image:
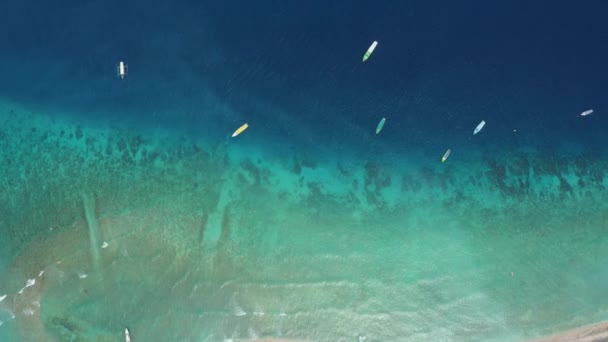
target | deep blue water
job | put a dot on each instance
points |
(440, 67)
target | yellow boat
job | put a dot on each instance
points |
(240, 130)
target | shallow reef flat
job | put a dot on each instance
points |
(219, 240)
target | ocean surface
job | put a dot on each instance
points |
(126, 203)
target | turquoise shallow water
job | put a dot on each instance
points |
(219, 241)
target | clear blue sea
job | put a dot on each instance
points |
(126, 204)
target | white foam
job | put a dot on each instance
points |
(30, 282)
(236, 308)
(226, 283)
(252, 334)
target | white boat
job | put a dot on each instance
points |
(479, 127)
(446, 155)
(370, 50)
(122, 70)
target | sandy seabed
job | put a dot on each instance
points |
(189, 240)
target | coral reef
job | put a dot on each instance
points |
(191, 223)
